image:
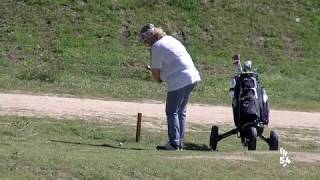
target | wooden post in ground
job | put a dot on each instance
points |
(138, 130)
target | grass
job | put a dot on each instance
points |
(90, 48)
(33, 148)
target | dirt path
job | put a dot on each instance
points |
(63, 107)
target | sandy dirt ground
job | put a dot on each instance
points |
(70, 107)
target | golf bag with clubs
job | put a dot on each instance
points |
(250, 109)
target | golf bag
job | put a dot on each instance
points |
(250, 100)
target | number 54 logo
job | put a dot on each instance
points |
(284, 158)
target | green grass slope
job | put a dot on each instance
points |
(90, 47)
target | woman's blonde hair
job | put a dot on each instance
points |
(149, 34)
(158, 33)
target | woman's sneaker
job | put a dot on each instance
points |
(181, 146)
(168, 147)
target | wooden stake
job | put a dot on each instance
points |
(138, 130)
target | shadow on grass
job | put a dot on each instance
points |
(196, 147)
(97, 145)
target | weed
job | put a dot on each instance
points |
(44, 67)
(22, 127)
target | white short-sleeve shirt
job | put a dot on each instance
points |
(174, 62)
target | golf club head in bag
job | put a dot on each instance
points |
(247, 66)
(236, 61)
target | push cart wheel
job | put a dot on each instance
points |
(252, 138)
(214, 137)
(273, 141)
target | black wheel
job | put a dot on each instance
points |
(273, 141)
(214, 137)
(252, 138)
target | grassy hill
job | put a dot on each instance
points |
(90, 47)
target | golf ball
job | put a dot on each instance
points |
(120, 144)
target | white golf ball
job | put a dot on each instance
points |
(297, 19)
(120, 144)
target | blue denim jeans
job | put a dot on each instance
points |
(176, 113)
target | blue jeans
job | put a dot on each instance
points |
(176, 113)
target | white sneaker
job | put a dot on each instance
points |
(168, 147)
(181, 146)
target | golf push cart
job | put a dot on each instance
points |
(250, 109)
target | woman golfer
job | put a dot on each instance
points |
(171, 63)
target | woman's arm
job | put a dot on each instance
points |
(156, 75)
